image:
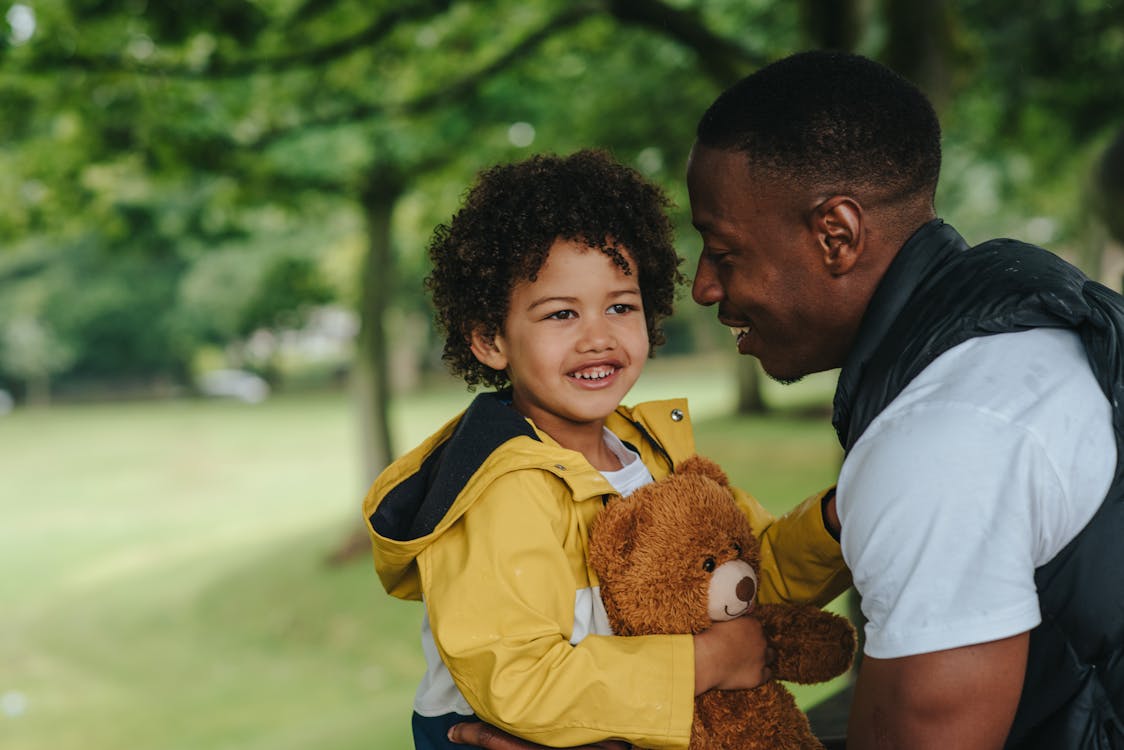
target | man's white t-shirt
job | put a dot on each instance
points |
(982, 469)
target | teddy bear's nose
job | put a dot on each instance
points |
(747, 587)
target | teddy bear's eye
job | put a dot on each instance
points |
(708, 565)
(737, 549)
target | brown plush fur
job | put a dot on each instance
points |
(650, 551)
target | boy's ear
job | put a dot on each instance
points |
(487, 350)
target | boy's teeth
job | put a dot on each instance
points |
(598, 374)
(739, 331)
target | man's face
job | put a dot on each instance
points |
(761, 264)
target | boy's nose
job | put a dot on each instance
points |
(597, 336)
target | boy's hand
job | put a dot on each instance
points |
(732, 655)
(479, 734)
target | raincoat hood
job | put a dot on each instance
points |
(425, 491)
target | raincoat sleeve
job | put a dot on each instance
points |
(500, 588)
(801, 563)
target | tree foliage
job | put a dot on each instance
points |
(174, 173)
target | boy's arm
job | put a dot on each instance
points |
(500, 591)
(801, 562)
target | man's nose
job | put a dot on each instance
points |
(706, 289)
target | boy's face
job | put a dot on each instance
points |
(575, 339)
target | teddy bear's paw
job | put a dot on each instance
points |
(812, 645)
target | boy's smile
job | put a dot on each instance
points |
(574, 342)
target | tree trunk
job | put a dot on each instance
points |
(833, 24)
(919, 45)
(750, 398)
(1109, 187)
(371, 372)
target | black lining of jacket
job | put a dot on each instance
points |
(936, 294)
(417, 504)
(414, 507)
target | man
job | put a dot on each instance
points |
(972, 404)
(980, 402)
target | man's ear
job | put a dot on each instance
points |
(487, 350)
(838, 224)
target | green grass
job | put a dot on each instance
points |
(164, 581)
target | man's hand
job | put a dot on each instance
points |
(962, 697)
(479, 734)
(732, 655)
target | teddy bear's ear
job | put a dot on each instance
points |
(705, 467)
(614, 533)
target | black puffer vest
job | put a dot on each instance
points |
(938, 293)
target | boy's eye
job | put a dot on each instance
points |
(621, 308)
(562, 315)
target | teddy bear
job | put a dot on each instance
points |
(676, 555)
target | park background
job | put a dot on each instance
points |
(213, 329)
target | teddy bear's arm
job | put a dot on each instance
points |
(812, 645)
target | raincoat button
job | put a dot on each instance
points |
(676, 415)
(560, 467)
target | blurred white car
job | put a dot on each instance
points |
(237, 384)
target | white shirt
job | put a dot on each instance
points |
(982, 469)
(437, 694)
(633, 474)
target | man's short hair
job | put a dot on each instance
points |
(831, 120)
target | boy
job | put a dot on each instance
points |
(550, 284)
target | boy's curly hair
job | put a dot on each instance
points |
(510, 219)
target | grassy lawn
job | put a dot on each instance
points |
(164, 580)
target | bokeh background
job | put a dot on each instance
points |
(214, 334)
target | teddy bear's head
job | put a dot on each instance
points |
(676, 554)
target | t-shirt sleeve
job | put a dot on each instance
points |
(935, 504)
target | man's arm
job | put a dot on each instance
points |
(962, 697)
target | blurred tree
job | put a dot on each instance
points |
(33, 352)
(1110, 187)
(288, 289)
(283, 103)
(182, 149)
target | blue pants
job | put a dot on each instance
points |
(431, 732)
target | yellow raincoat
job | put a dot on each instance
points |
(488, 520)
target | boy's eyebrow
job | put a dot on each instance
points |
(545, 300)
(571, 300)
